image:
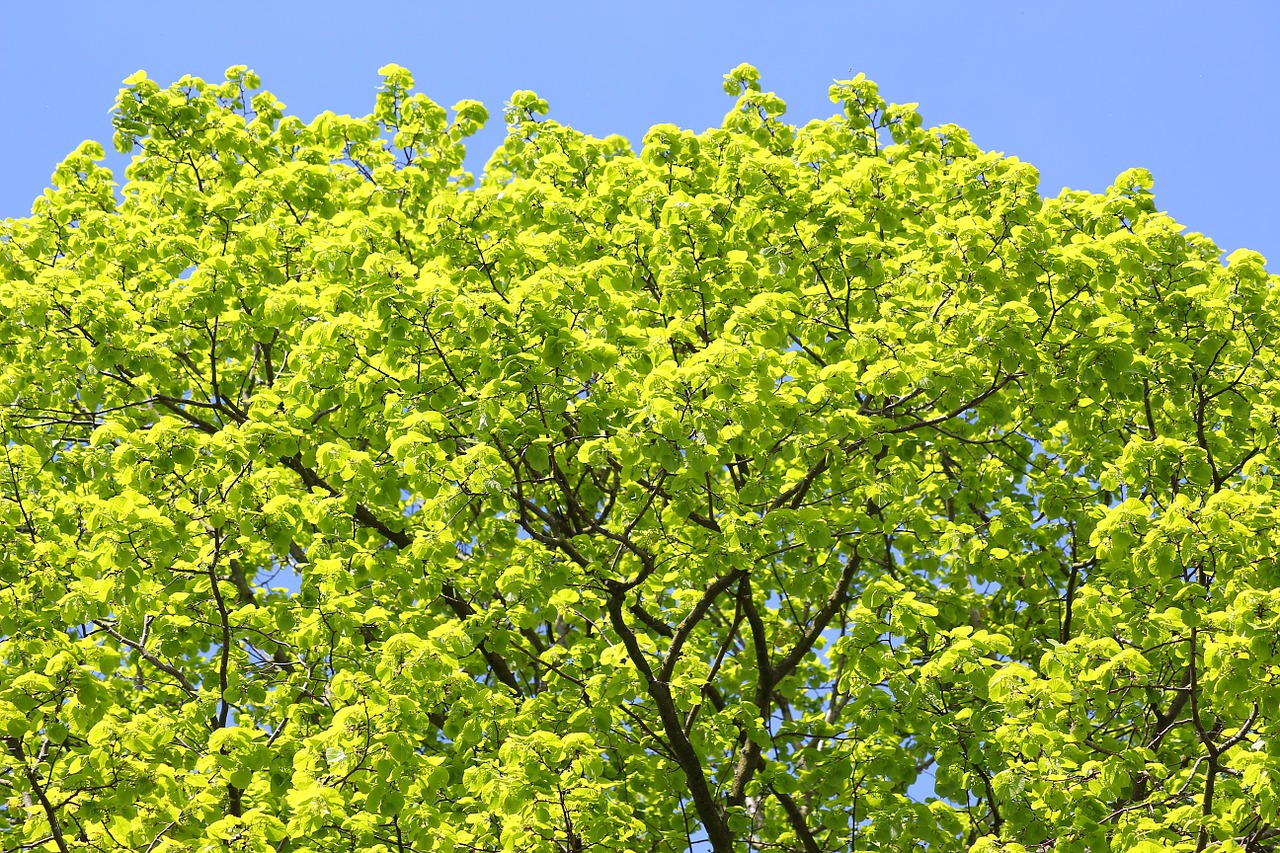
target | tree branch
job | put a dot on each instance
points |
(55, 828)
(166, 668)
(713, 820)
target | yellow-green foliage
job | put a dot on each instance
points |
(715, 494)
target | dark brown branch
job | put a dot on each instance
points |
(749, 760)
(795, 494)
(713, 820)
(686, 626)
(176, 406)
(55, 828)
(959, 410)
(796, 818)
(224, 619)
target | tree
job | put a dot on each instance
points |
(711, 497)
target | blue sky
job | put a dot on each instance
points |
(1082, 90)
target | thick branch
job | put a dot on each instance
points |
(55, 828)
(749, 760)
(795, 817)
(686, 626)
(713, 820)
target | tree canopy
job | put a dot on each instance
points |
(808, 488)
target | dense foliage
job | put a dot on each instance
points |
(818, 488)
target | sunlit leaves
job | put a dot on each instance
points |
(812, 487)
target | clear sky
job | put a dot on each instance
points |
(1082, 90)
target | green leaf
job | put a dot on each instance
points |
(538, 456)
